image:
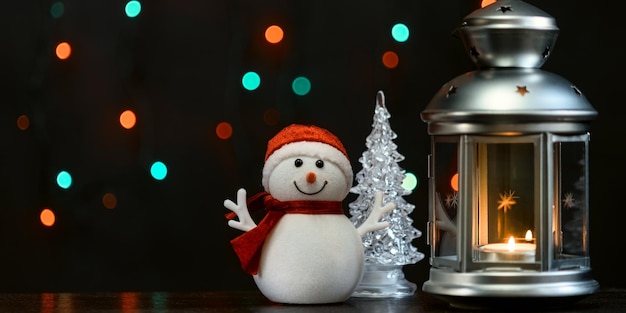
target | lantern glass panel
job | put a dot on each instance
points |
(571, 220)
(445, 167)
(505, 215)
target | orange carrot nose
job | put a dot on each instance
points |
(311, 177)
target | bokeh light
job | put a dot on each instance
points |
(63, 50)
(128, 119)
(158, 170)
(274, 34)
(271, 117)
(390, 59)
(132, 8)
(57, 9)
(400, 32)
(224, 130)
(23, 122)
(109, 200)
(47, 217)
(410, 181)
(251, 80)
(454, 182)
(301, 86)
(64, 179)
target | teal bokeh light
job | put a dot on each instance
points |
(158, 170)
(251, 80)
(400, 32)
(133, 8)
(57, 9)
(301, 86)
(64, 179)
(410, 181)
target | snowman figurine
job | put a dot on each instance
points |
(305, 250)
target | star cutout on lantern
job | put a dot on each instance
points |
(522, 90)
(507, 201)
(546, 52)
(568, 200)
(451, 91)
(505, 9)
(452, 200)
(474, 52)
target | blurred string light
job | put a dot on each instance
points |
(400, 32)
(271, 117)
(109, 200)
(224, 130)
(274, 34)
(301, 86)
(251, 81)
(132, 8)
(410, 181)
(64, 179)
(23, 122)
(47, 217)
(158, 170)
(128, 119)
(57, 9)
(63, 50)
(390, 59)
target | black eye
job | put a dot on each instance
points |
(298, 162)
(319, 163)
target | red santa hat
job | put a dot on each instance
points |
(306, 140)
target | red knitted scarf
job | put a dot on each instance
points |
(248, 246)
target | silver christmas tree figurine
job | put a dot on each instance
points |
(389, 249)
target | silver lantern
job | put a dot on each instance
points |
(508, 170)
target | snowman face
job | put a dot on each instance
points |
(307, 178)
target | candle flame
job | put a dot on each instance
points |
(529, 235)
(511, 243)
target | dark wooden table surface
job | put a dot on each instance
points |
(604, 301)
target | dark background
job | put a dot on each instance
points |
(178, 65)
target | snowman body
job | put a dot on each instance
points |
(311, 259)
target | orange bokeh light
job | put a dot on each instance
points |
(274, 34)
(224, 130)
(128, 119)
(47, 217)
(390, 59)
(23, 122)
(109, 200)
(63, 50)
(454, 182)
(271, 117)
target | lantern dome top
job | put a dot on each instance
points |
(509, 40)
(508, 33)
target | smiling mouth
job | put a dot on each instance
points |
(310, 193)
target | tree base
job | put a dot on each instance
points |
(381, 281)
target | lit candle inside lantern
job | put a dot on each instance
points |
(510, 251)
(529, 236)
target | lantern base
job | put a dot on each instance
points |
(381, 281)
(512, 290)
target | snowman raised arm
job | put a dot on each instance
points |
(305, 250)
